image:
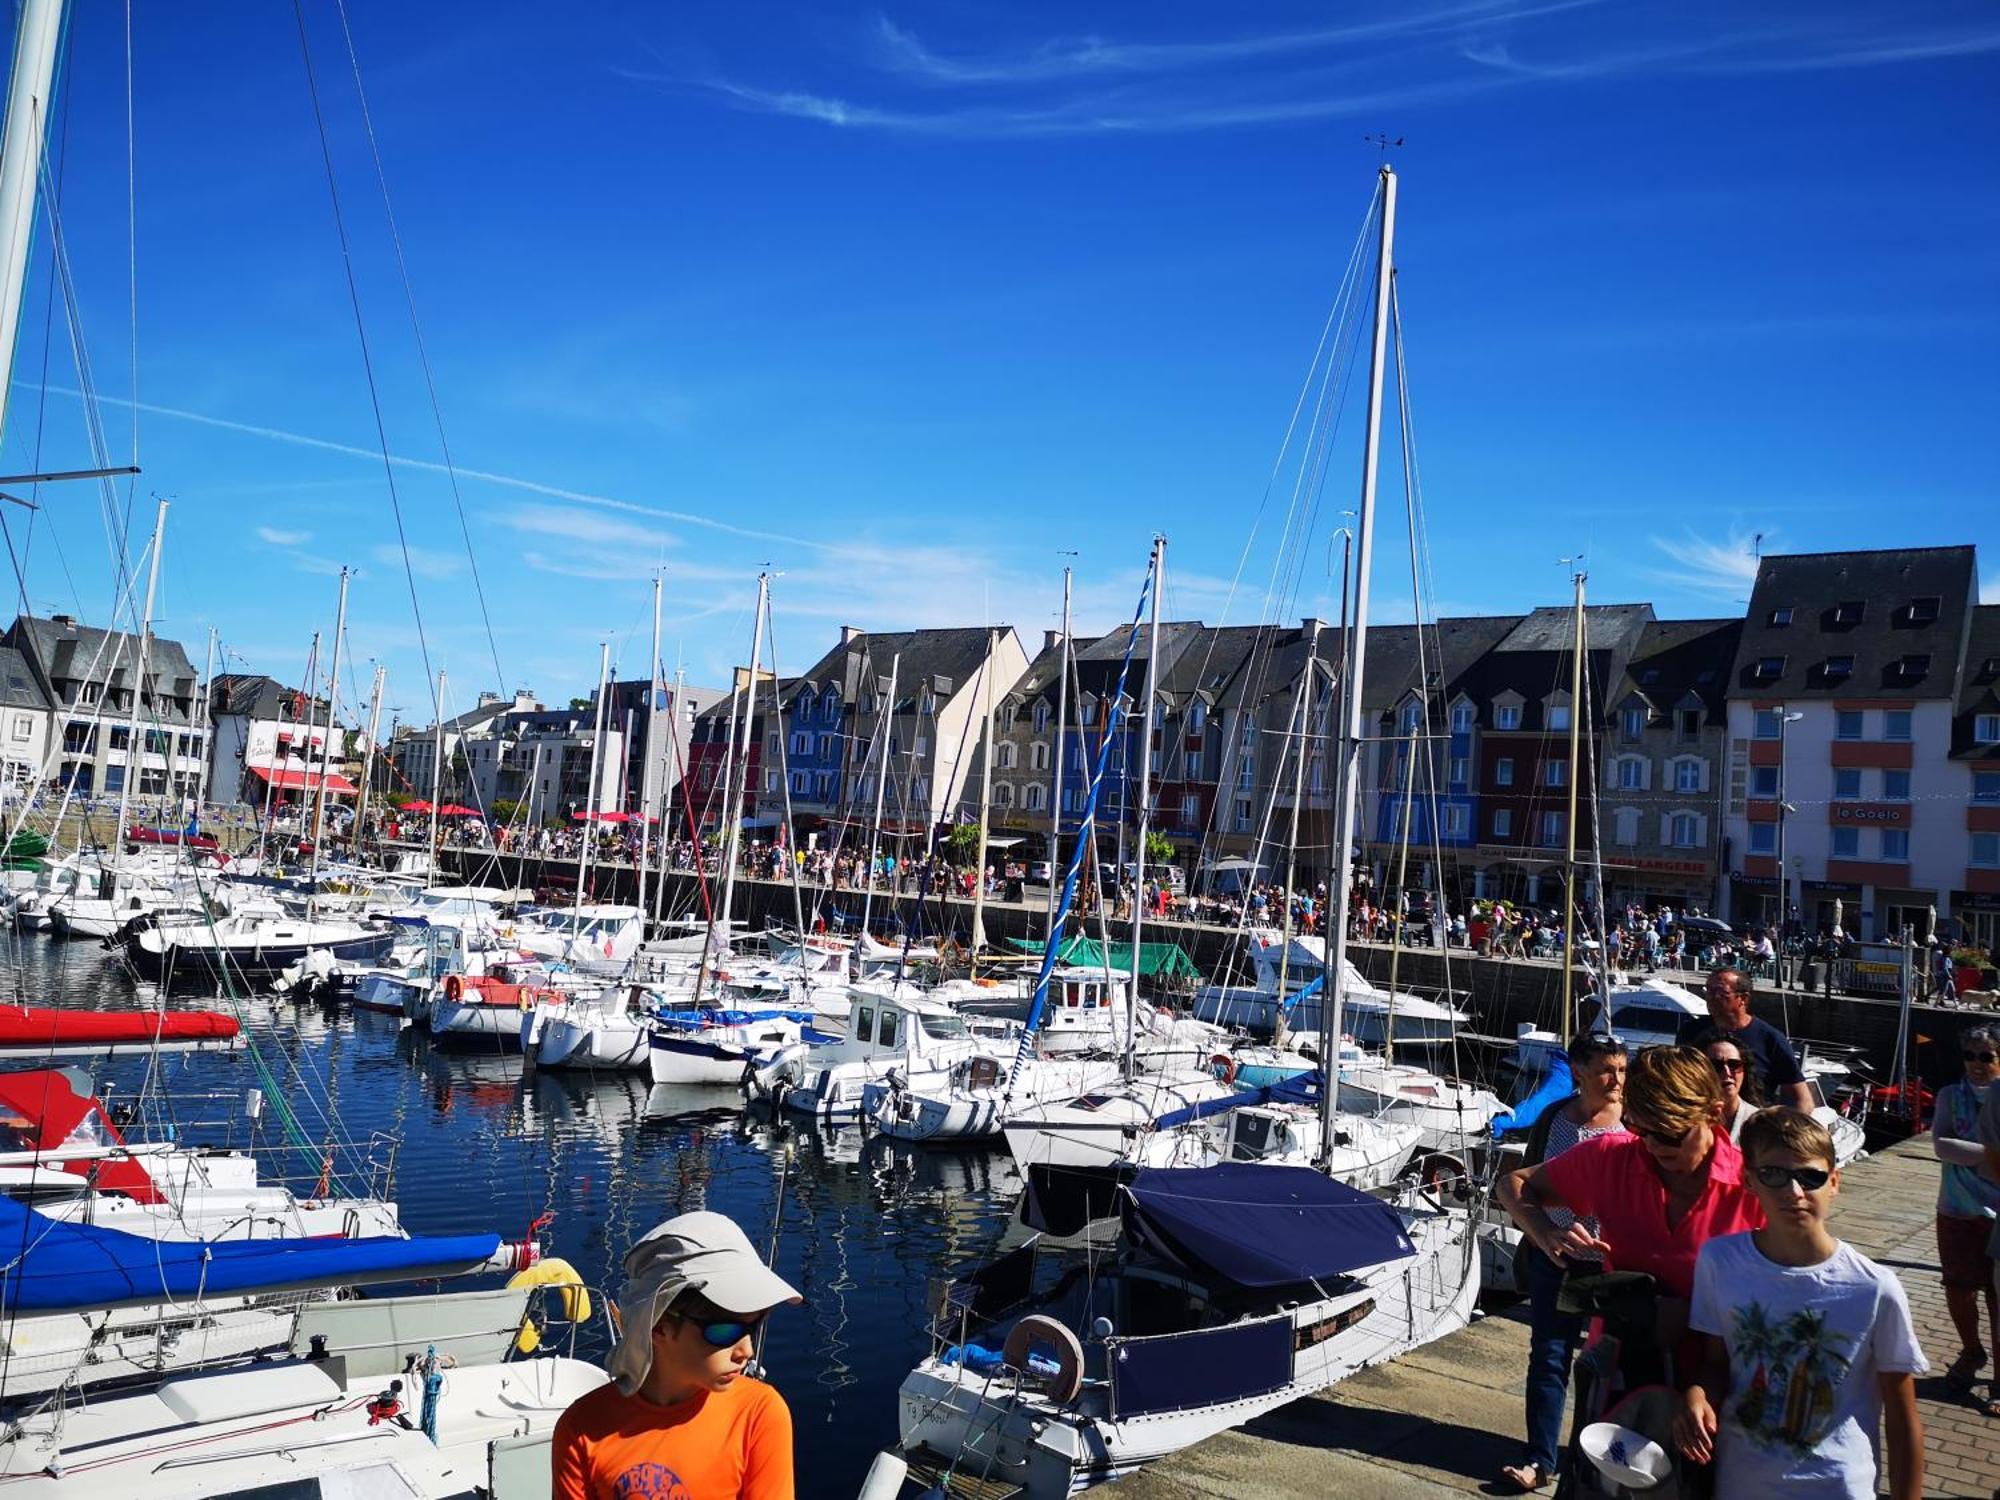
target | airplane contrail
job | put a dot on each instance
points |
(431, 466)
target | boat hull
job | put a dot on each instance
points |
(176, 962)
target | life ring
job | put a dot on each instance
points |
(554, 1272)
(1036, 1330)
(1223, 1066)
(454, 988)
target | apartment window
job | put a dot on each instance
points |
(1003, 758)
(1684, 831)
(802, 744)
(1763, 838)
(1190, 810)
(1687, 776)
(823, 786)
(1896, 843)
(1503, 823)
(1242, 814)
(921, 747)
(1687, 724)
(1633, 721)
(806, 709)
(1895, 786)
(1781, 616)
(1846, 843)
(1461, 770)
(1985, 785)
(1555, 773)
(1461, 718)
(1246, 773)
(80, 739)
(1007, 717)
(1455, 820)
(771, 781)
(1986, 729)
(1041, 718)
(1631, 774)
(1896, 724)
(1038, 757)
(1192, 770)
(1986, 848)
(826, 751)
(1558, 716)
(774, 745)
(802, 783)
(24, 727)
(1003, 794)
(1197, 717)
(1552, 830)
(1086, 711)
(1846, 784)
(1036, 797)
(1503, 771)
(1763, 781)
(1768, 720)
(1848, 723)
(1507, 716)
(121, 738)
(114, 778)
(1316, 775)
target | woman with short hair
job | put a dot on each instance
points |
(1967, 1205)
(1741, 1096)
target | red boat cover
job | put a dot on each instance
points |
(138, 833)
(43, 1111)
(26, 1027)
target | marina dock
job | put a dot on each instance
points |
(1441, 1421)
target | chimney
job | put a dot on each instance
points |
(849, 634)
(1051, 639)
(68, 622)
(1312, 625)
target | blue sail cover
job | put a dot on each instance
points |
(1556, 1085)
(60, 1267)
(1258, 1227)
(1301, 1089)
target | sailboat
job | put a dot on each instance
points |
(1237, 1288)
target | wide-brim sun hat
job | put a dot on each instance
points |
(701, 1252)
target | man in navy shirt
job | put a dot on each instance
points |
(1764, 1046)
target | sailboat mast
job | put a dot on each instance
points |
(597, 721)
(1348, 767)
(1056, 776)
(30, 88)
(1300, 728)
(135, 759)
(885, 730)
(437, 779)
(332, 723)
(1569, 874)
(674, 721)
(985, 800)
(368, 756)
(652, 752)
(1145, 824)
(738, 756)
(207, 729)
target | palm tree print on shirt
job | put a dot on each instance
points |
(1796, 1364)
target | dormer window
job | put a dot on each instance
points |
(1649, 677)
(1912, 667)
(1506, 716)
(1839, 666)
(1850, 611)
(1924, 609)
(1989, 669)
(1770, 668)
(1781, 616)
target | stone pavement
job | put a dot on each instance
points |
(1441, 1421)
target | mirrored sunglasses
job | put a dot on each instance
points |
(1812, 1179)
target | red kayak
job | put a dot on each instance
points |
(39, 1030)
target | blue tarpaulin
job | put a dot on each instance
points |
(1556, 1085)
(60, 1267)
(1256, 1227)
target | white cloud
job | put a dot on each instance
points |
(1708, 566)
(586, 528)
(425, 562)
(279, 538)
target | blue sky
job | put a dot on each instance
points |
(904, 302)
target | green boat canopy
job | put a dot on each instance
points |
(1156, 960)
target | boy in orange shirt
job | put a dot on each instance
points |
(683, 1419)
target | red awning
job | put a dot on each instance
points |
(286, 780)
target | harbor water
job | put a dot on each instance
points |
(862, 1225)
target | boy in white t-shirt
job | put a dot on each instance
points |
(1809, 1342)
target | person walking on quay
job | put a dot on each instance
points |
(683, 1416)
(1660, 1189)
(1808, 1344)
(1967, 1206)
(1597, 1062)
(1764, 1046)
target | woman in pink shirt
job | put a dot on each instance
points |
(1658, 1194)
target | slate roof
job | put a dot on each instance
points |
(1451, 648)
(944, 660)
(256, 696)
(1097, 665)
(1532, 660)
(64, 651)
(1979, 683)
(1040, 679)
(1677, 657)
(1901, 633)
(18, 688)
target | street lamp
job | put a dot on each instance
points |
(1784, 877)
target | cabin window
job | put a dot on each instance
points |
(864, 1022)
(887, 1036)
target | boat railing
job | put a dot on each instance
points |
(315, 1166)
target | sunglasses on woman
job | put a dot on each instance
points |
(1985, 1057)
(1812, 1179)
(1726, 1064)
(1671, 1140)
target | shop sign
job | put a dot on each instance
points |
(1873, 814)
(1964, 901)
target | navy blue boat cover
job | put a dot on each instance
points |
(1257, 1227)
(49, 1266)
